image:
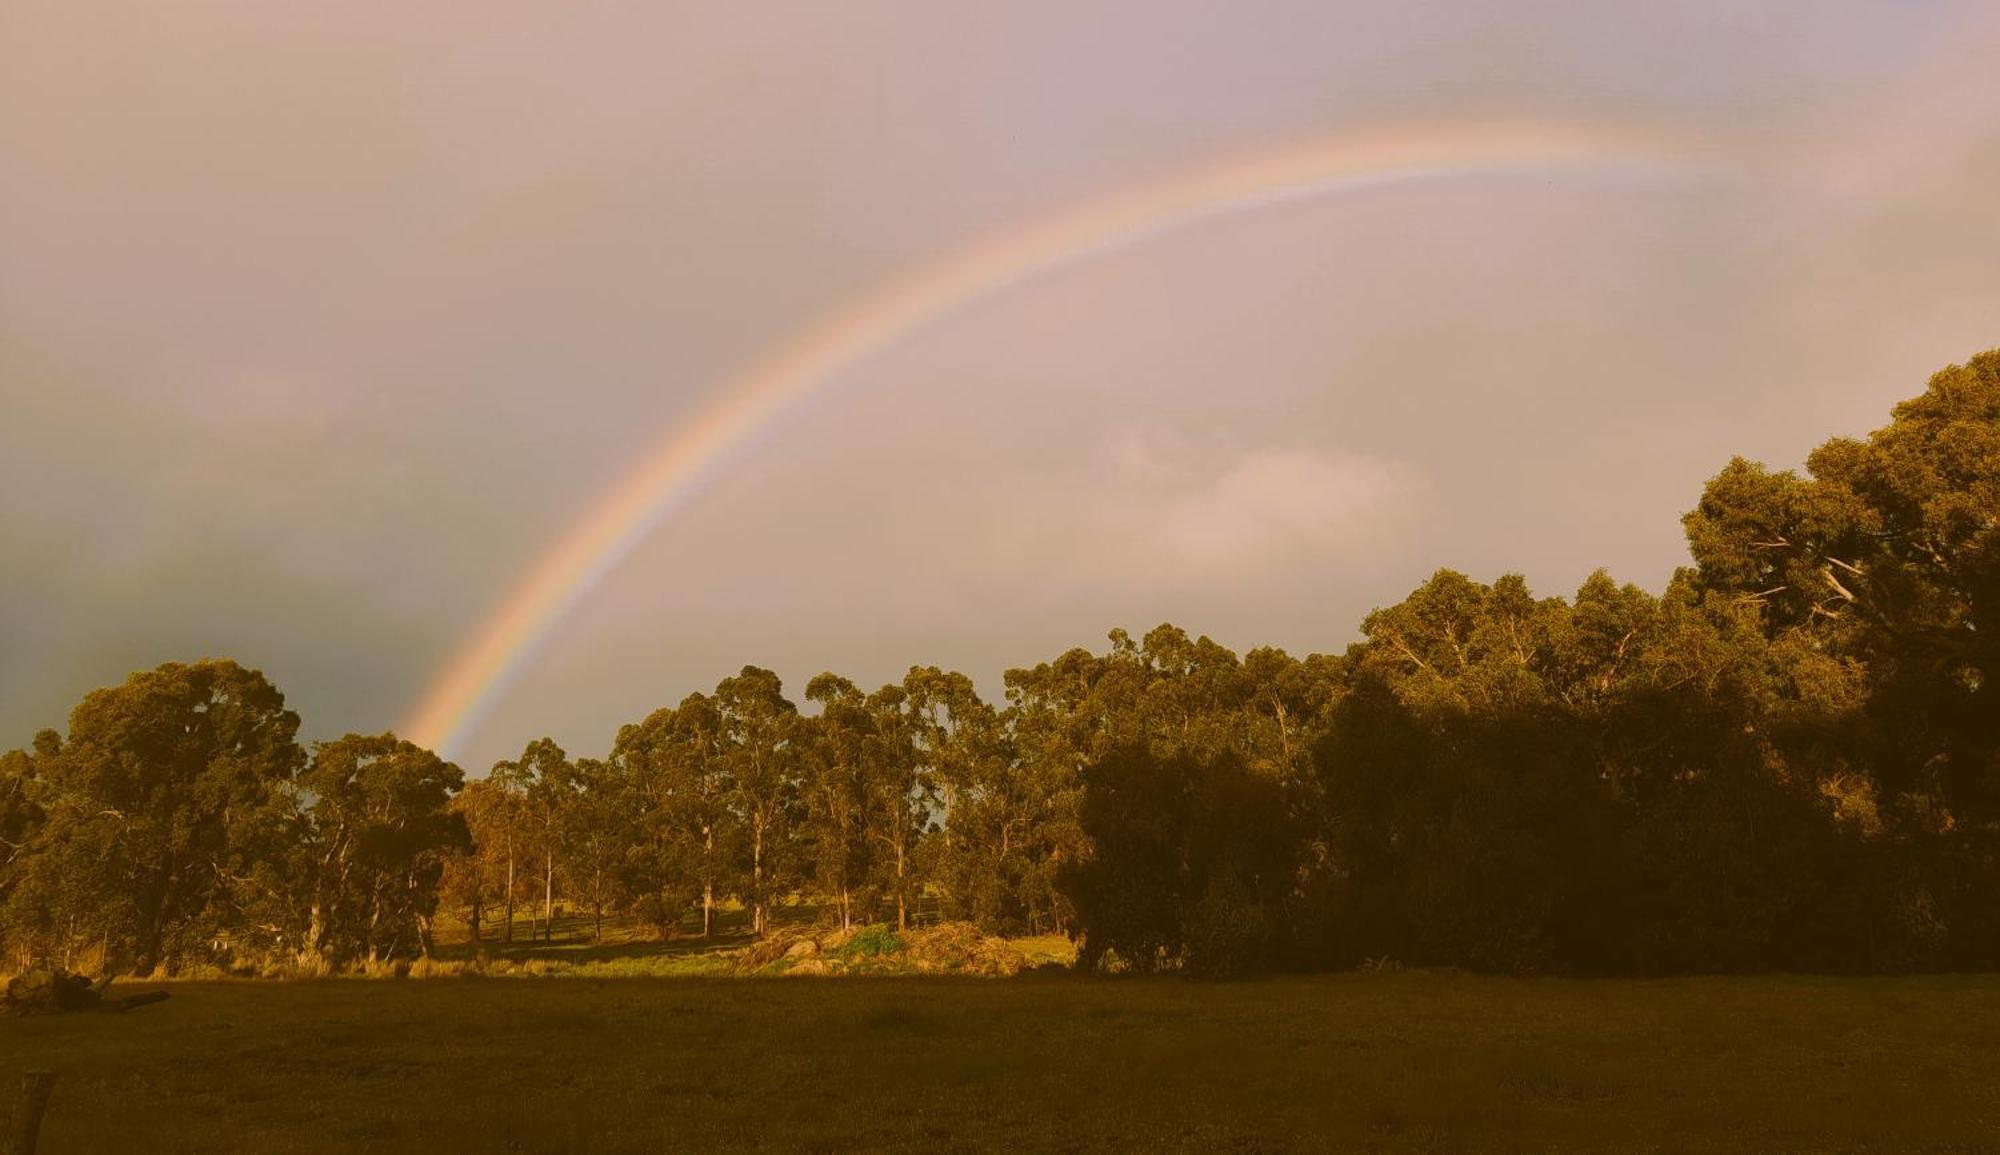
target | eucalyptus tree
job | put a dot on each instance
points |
(759, 749)
(1006, 814)
(545, 782)
(152, 805)
(834, 753)
(1285, 701)
(20, 819)
(1887, 551)
(1055, 734)
(482, 875)
(898, 795)
(682, 790)
(377, 835)
(960, 748)
(599, 825)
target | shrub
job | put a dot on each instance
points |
(871, 942)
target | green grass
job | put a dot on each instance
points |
(1382, 1062)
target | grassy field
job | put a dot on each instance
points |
(1382, 1062)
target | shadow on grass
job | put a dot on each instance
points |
(573, 937)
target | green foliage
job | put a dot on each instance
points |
(1190, 860)
(376, 838)
(871, 942)
(159, 815)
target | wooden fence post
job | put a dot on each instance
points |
(35, 1090)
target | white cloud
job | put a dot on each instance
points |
(1153, 507)
(1275, 501)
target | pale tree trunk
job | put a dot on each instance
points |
(757, 877)
(316, 926)
(707, 881)
(549, 897)
(508, 935)
(902, 891)
(374, 921)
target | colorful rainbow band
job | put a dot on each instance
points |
(673, 470)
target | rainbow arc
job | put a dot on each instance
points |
(674, 469)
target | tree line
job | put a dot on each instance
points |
(1789, 758)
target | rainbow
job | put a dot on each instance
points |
(677, 465)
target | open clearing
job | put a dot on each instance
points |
(1384, 1062)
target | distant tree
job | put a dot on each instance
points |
(545, 783)
(481, 875)
(897, 795)
(164, 783)
(682, 786)
(379, 831)
(1049, 721)
(961, 749)
(759, 726)
(1286, 700)
(1187, 866)
(1888, 551)
(598, 831)
(834, 756)
(20, 821)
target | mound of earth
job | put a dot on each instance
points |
(948, 948)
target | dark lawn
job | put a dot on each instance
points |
(1386, 1062)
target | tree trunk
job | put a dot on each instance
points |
(316, 927)
(902, 901)
(508, 935)
(549, 896)
(757, 877)
(475, 921)
(707, 881)
(374, 920)
(151, 934)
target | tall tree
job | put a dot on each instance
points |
(1888, 551)
(378, 833)
(545, 782)
(20, 820)
(897, 794)
(599, 825)
(162, 785)
(759, 725)
(684, 789)
(834, 753)
(482, 875)
(985, 812)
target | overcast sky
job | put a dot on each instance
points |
(320, 322)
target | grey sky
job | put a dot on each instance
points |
(319, 322)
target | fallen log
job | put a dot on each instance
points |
(53, 992)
